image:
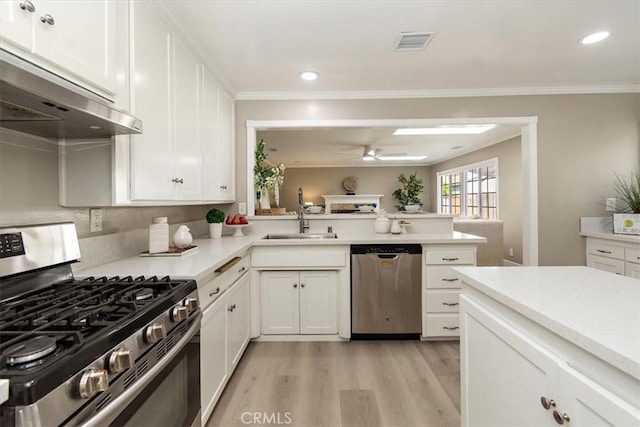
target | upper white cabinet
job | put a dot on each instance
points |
(76, 39)
(218, 148)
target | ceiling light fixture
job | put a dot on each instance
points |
(445, 130)
(308, 75)
(595, 37)
(401, 157)
(369, 153)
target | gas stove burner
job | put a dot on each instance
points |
(143, 294)
(30, 350)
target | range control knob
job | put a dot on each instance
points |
(92, 382)
(179, 313)
(120, 360)
(154, 333)
(191, 303)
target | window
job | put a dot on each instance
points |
(470, 190)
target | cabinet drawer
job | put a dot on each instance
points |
(441, 277)
(443, 325)
(632, 255)
(212, 289)
(450, 256)
(605, 249)
(607, 264)
(238, 269)
(442, 301)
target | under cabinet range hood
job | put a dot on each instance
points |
(37, 102)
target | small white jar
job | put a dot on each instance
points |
(382, 225)
(182, 237)
(159, 235)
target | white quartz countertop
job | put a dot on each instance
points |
(629, 238)
(595, 310)
(212, 253)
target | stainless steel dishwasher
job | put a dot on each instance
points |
(386, 291)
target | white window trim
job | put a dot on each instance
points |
(463, 189)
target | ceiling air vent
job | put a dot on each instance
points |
(413, 41)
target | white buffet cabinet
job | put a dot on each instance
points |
(542, 346)
(615, 253)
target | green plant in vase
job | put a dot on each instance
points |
(409, 193)
(275, 181)
(261, 173)
(626, 220)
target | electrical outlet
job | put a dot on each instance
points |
(95, 220)
(510, 251)
(242, 208)
(610, 204)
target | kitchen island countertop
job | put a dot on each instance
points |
(596, 310)
(212, 253)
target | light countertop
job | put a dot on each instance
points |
(212, 253)
(627, 238)
(595, 310)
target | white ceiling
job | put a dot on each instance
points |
(345, 146)
(480, 47)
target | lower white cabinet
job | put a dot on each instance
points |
(299, 302)
(615, 256)
(509, 378)
(224, 336)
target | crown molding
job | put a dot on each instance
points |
(448, 93)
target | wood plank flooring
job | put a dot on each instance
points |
(347, 384)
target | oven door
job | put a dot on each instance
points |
(169, 394)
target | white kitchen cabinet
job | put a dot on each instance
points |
(218, 148)
(238, 321)
(165, 159)
(303, 302)
(615, 256)
(441, 288)
(224, 334)
(76, 39)
(509, 373)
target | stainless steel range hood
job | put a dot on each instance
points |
(37, 102)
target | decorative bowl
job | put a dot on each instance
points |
(412, 208)
(315, 209)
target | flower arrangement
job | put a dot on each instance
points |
(275, 181)
(411, 188)
(261, 171)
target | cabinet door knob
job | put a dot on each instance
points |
(547, 403)
(178, 180)
(28, 6)
(560, 418)
(47, 19)
(302, 285)
(223, 187)
(295, 285)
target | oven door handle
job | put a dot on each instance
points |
(110, 412)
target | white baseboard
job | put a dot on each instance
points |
(508, 263)
(299, 338)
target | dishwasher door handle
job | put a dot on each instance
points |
(388, 256)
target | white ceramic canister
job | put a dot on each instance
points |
(395, 227)
(182, 237)
(382, 225)
(159, 235)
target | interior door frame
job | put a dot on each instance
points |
(529, 158)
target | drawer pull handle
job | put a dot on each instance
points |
(448, 328)
(242, 269)
(603, 251)
(217, 291)
(449, 280)
(451, 304)
(450, 259)
(228, 265)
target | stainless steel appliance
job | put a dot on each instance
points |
(37, 102)
(97, 351)
(386, 291)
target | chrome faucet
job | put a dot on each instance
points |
(304, 223)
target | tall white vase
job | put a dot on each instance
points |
(265, 200)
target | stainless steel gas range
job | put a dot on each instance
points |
(96, 351)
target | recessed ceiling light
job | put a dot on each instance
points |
(401, 157)
(445, 130)
(308, 75)
(595, 37)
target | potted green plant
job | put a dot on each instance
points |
(215, 218)
(626, 219)
(409, 193)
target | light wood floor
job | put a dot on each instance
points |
(357, 383)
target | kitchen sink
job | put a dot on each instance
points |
(302, 236)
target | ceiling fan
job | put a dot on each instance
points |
(370, 153)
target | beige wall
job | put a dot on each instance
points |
(29, 192)
(582, 139)
(509, 190)
(371, 180)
